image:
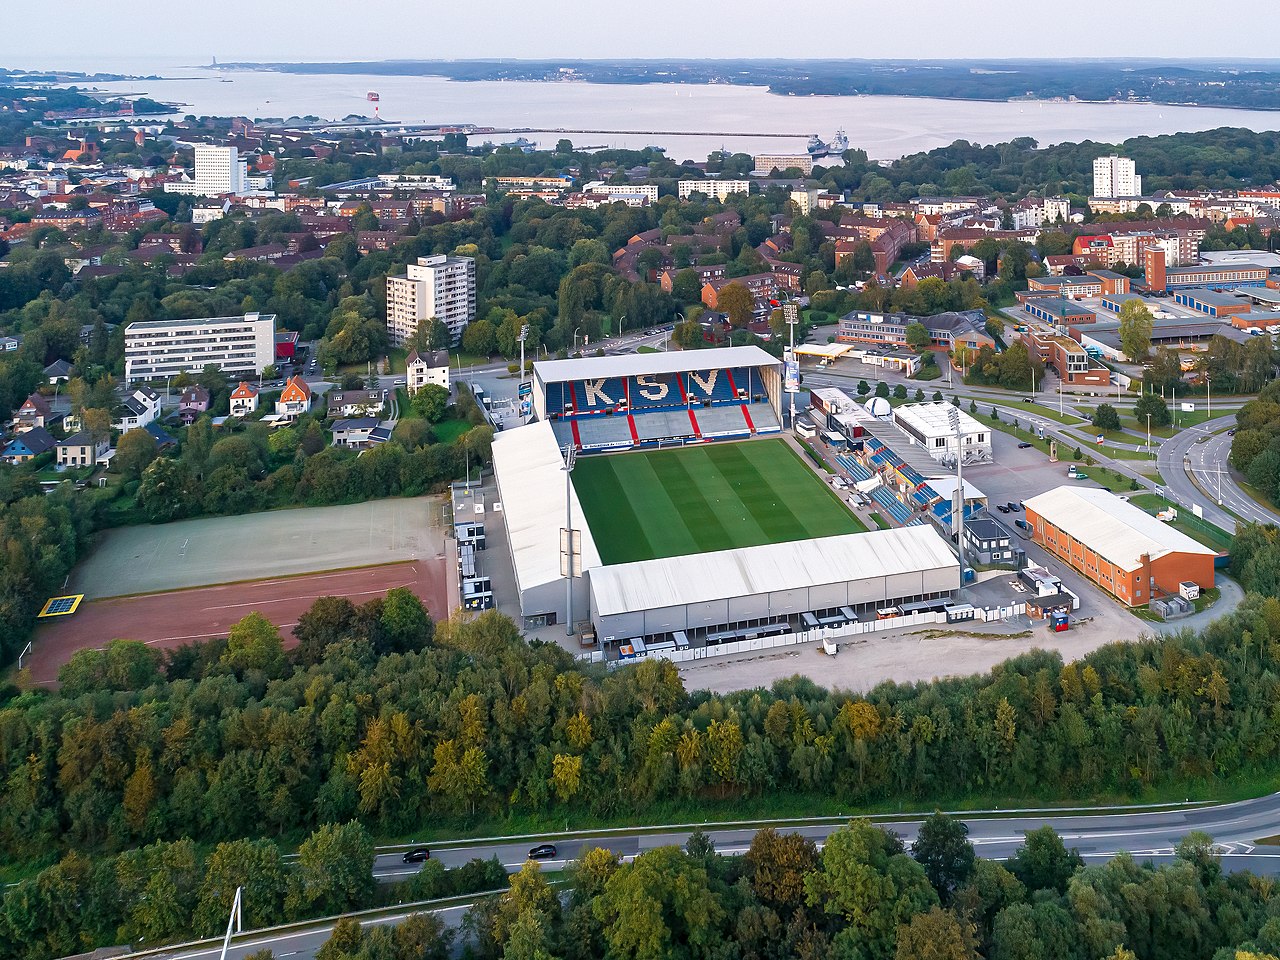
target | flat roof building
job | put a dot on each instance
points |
(1127, 552)
(238, 346)
(435, 288)
(933, 426)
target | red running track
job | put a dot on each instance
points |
(181, 616)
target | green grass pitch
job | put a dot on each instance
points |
(719, 496)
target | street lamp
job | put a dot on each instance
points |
(576, 331)
(1148, 433)
(566, 537)
(1208, 400)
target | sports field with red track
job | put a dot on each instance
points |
(177, 617)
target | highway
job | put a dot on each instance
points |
(1147, 834)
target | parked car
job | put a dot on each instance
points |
(401, 382)
(417, 855)
(1024, 444)
(1231, 432)
(1002, 508)
(1014, 505)
(543, 851)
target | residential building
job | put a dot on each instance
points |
(435, 288)
(34, 412)
(1037, 211)
(138, 409)
(647, 190)
(1068, 358)
(193, 402)
(1122, 549)
(355, 403)
(424, 368)
(295, 398)
(244, 400)
(355, 433)
(80, 450)
(712, 189)
(219, 170)
(763, 287)
(767, 163)
(1115, 177)
(58, 372)
(238, 346)
(27, 446)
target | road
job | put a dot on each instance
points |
(1202, 453)
(1148, 834)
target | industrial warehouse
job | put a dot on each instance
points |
(1130, 554)
(696, 540)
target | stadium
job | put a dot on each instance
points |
(693, 517)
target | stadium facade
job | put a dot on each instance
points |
(606, 405)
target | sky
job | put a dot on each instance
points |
(107, 34)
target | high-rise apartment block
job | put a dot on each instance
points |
(218, 170)
(1115, 177)
(435, 288)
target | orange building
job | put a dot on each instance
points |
(1125, 551)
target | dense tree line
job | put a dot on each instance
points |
(1255, 448)
(478, 724)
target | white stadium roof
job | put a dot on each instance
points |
(529, 467)
(703, 577)
(1115, 530)
(651, 364)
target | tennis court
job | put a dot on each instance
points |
(670, 503)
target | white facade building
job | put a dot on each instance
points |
(715, 189)
(424, 368)
(218, 170)
(238, 346)
(766, 163)
(1037, 211)
(440, 287)
(1115, 177)
(649, 190)
(930, 426)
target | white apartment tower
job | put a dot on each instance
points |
(218, 170)
(1115, 177)
(238, 346)
(440, 287)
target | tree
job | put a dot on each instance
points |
(254, 865)
(167, 490)
(937, 935)
(942, 847)
(735, 301)
(406, 625)
(686, 286)
(1105, 417)
(882, 390)
(96, 421)
(1043, 861)
(863, 388)
(479, 338)
(1136, 326)
(327, 621)
(662, 900)
(254, 644)
(776, 865)
(134, 452)
(430, 402)
(1149, 403)
(917, 336)
(334, 872)
(900, 392)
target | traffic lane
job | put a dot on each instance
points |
(303, 944)
(1103, 833)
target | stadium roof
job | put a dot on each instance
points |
(704, 577)
(530, 474)
(933, 419)
(1112, 528)
(656, 364)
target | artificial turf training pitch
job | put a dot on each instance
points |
(717, 496)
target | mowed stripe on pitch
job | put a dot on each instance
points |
(762, 499)
(818, 509)
(698, 515)
(609, 502)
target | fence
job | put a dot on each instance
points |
(734, 647)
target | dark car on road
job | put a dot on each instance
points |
(543, 851)
(418, 855)
(1024, 445)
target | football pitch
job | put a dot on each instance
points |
(669, 503)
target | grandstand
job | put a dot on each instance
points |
(614, 403)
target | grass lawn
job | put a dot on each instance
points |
(1038, 409)
(881, 522)
(1198, 529)
(670, 503)
(645, 348)
(930, 371)
(447, 431)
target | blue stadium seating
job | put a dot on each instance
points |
(595, 397)
(852, 467)
(891, 504)
(667, 399)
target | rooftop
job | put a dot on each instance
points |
(934, 419)
(1113, 528)
(725, 574)
(639, 364)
